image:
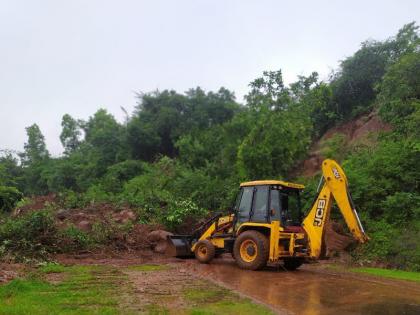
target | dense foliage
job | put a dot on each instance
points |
(179, 156)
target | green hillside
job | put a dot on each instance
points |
(179, 156)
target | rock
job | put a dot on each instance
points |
(158, 240)
(62, 214)
(158, 235)
(84, 225)
(124, 216)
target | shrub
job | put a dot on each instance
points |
(96, 194)
(179, 210)
(32, 235)
(335, 147)
(107, 233)
(120, 173)
(70, 199)
(9, 197)
(73, 238)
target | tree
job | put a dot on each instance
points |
(162, 118)
(354, 83)
(35, 160)
(104, 140)
(400, 92)
(269, 91)
(10, 171)
(281, 130)
(277, 141)
(35, 150)
(70, 134)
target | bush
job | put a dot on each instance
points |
(335, 147)
(72, 239)
(107, 233)
(72, 200)
(179, 210)
(120, 173)
(32, 235)
(9, 197)
(96, 194)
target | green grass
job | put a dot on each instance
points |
(389, 273)
(84, 290)
(68, 290)
(52, 268)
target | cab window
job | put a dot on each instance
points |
(275, 205)
(245, 204)
(259, 211)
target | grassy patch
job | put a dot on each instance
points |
(205, 296)
(148, 267)
(220, 301)
(52, 268)
(85, 290)
(108, 290)
(389, 273)
(153, 309)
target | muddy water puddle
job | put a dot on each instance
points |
(311, 292)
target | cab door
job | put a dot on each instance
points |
(260, 204)
(275, 205)
(278, 206)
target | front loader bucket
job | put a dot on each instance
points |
(180, 246)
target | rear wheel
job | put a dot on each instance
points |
(292, 263)
(204, 251)
(251, 250)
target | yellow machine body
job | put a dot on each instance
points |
(247, 239)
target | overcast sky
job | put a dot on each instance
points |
(74, 57)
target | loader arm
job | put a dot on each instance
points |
(334, 187)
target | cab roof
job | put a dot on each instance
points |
(272, 182)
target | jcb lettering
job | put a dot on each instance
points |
(319, 214)
(336, 173)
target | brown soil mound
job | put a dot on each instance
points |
(359, 127)
(9, 271)
(355, 131)
(36, 203)
(336, 240)
(158, 240)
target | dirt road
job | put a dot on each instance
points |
(312, 291)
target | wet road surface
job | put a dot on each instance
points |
(310, 291)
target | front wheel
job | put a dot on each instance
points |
(251, 250)
(204, 251)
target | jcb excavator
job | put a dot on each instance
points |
(267, 226)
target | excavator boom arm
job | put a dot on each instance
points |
(335, 186)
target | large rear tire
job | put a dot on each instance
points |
(204, 251)
(292, 263)
(251, 250)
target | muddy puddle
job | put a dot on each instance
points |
(309, 291)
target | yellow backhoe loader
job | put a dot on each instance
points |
(267, 224)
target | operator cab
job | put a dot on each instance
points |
(269, 200)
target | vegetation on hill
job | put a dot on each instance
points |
(181, 155)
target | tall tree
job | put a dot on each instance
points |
(10, 170)
(35, 160)
(162, 118)
(35, 149)
(269, 91)
(70, 134)
(104, 139)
